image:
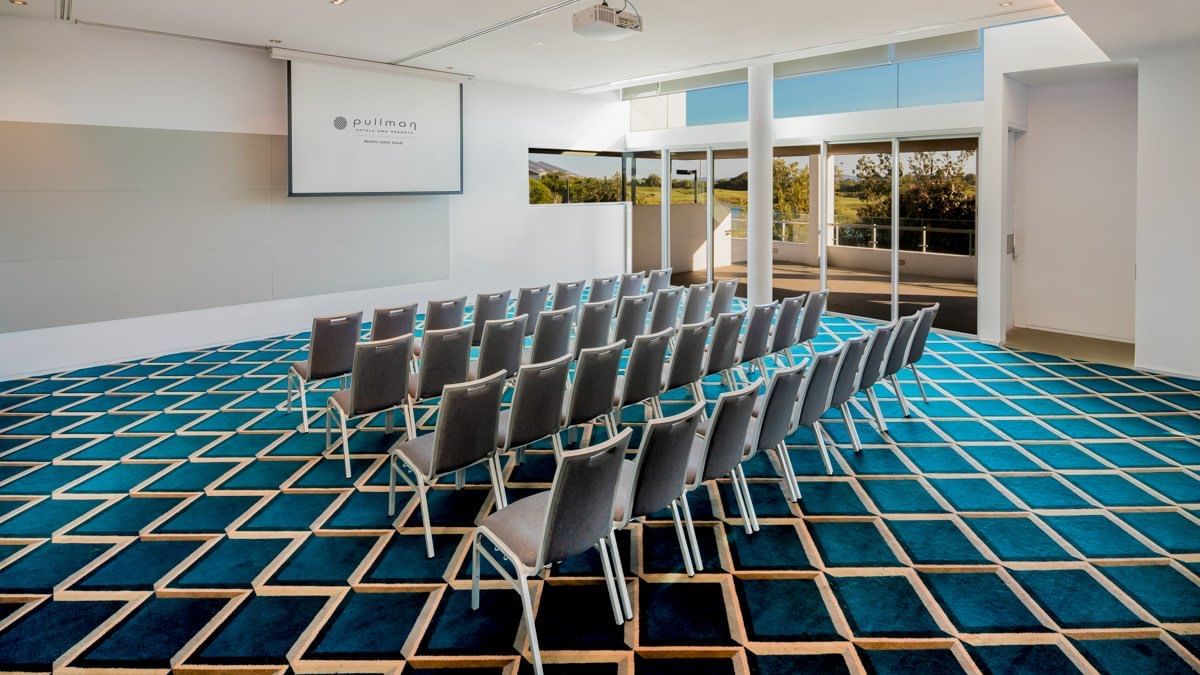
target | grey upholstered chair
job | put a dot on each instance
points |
(654, 480)
(390, 322)
(552, 337)
(695, 308)
(465, 436)
(664, 313)
(722, 298)
(568, 294)
(603, 288)
(570, 518)
(686, 367)
(536, 410)
(897, 357)
(775, 424)
(642, 380)
(845, 385)
(810, 319)
(874, 361)
(501, 348)
(531, 302)
(722, 351)
(719, 452)
(594, 387)
(330, 354)
(488, 307)
(917, 348)
(787, 326)
(595, 325)
(657, 280)
(815, 398)
(631, 284)
(754, 345)
(631, 317)
(446, 360)
(378, 383)
(443, 314)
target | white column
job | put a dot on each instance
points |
(815, 206)
(824, 215)
(758, 226)
(665, 230)
(709, 201)
(895, 228)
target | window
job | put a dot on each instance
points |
(575, 177)
(716, 105)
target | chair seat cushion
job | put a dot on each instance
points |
(521, 526)
(417, 453)
(343, 400)
(624, 500)
(301, 368)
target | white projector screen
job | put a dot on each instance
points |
(364, 132)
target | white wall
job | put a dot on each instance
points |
(1168, 220)
(82, 75)
(1076, 207)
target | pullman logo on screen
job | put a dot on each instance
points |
(375, 125)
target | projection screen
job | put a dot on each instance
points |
(364, 132)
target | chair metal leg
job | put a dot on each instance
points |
(391, 485)
(303, 406)
(613, 421)
(761, 364)
(741, 502)
(460, 479)
(789, 357)
(556, 442)
(683, 544)
(619, 574)
(691, 532)
(920, 384)
(850, 426)
(387, 420)
(493, 465)
(750, 512)
(289, 395)
(422, 494)
(878, 412)
(819, 432)
(522, 585)
(811, 349)
(789, 473)
(900, 395)
(328, 428)
(610, 581)
(410, 421)
(345, 440)
(475, 571)
(698, 392)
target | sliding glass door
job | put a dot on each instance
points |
(858, 235)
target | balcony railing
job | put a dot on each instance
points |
(927, 235)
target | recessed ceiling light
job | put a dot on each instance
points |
(337, 2)
(275, 42)
(18, 2)
(1006, 4)
(539, 43)
(449, 67)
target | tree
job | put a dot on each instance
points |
(539, 193)
(935, 191)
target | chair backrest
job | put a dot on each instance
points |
(776, 418)
(568, 294)
(537, 401)
(331, 345)
(921, 334)
(502, 344)
(603, 288)
(687, 358)
(897, 358)
(722, 299)
(658, 280)
(845, 385)
(445, 360)
(810, 320)
(662, 461)
(631, 284)
(644, 371)
(631, 317)
(728, 432)
(380, 374)
(818, 391)
(552, 337)
(468, 418)
(876, 358)
(595, 383)
(666, 309)
(390, 322)
(581, 499)
(531, 302)
(787, 325)
(443, 314)
(595, 324)
(488, 307)
(695, 308)
(722, 353)
(758, 331)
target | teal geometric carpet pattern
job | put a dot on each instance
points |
(1037, 515)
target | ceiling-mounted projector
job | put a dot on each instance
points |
(605, 23)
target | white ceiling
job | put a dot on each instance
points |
(679, 34)
(1135, 28)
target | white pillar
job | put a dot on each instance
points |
(709, 206)
(758, 226)
(665, 230)
(824, 214)
(895, 256)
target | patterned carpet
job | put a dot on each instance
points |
(1037, 515)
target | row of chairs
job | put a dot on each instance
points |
(597, 491)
